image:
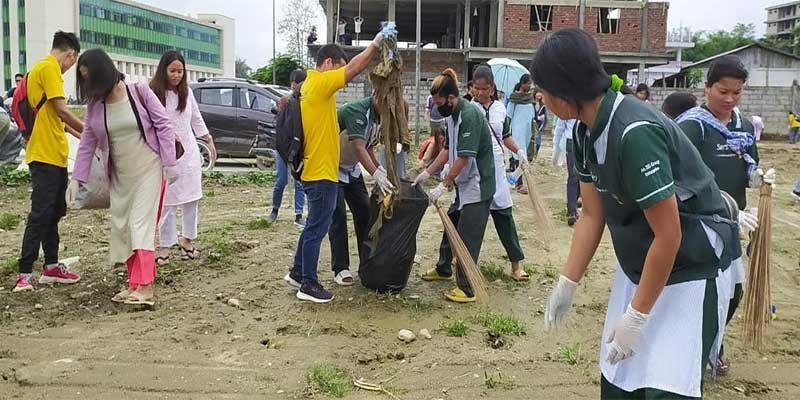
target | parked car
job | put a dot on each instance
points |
(240, 115)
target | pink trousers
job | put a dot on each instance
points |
(142, 263)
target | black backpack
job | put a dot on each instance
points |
(289, 135)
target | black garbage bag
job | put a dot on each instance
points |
(391, 253)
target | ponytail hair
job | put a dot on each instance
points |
(445, 84)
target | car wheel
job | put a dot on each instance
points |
(205, 156)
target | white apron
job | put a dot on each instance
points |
(738, 274)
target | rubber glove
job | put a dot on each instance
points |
(445, 170)
(382, 180)
(522, 157)
(748, 221)
(437, 192)
(760, 177)
(377, 40)
(625, 336)
(421, 178)
(560, 303)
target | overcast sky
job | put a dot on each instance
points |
(254, 19)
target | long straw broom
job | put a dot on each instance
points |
(757, 300)
(465, 261)
(539, 210)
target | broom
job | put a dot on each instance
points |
(539, 210)
(757, 310)
(465, 261)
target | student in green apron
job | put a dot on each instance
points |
(468, 151)
(484, 96)
(672, 232)
(359, 135)
(726, 142)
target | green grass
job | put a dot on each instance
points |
(417, 307)
(259, 223)
(493, 272)
(570, 354)
(329, 379)
(221, 247)
(501, 327)
(9, 221)
(259, 178)
(455, 328)
(497, 382)
(9, 177)
(10, 267)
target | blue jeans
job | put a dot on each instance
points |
(400, 161)
(322, 197)
(280, 183)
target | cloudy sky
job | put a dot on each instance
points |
(254, 18)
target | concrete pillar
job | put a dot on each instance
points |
(330, 8)
(481, 39)
(392, 11)
(581, 13)
(640, 75)
(467, 23)
(459, 23)
(493, 25)
(501, 18)
(643, 33)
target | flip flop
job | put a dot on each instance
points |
(162, 260)
(523, 276)
(137, 298)
(189, 254)
(122, 296)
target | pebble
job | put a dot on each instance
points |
(424, 333)
(38, 306)
(219, 296)
(234, 303)
(406, 335)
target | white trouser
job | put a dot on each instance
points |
(168, 227)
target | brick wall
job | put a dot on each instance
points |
(770, 103)
(517, 33)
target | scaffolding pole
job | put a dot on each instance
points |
(417, 72)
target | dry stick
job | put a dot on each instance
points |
(539, 209)
(465, 261)
(757, 298)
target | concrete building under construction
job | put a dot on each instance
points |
(460, 33)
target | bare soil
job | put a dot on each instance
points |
(194, 345)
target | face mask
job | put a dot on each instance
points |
(445, 110)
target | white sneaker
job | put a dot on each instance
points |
(288, 278)
(344, 278)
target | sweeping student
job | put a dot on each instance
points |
(468, 150)
(671, 230)
(360, 133)
(726, 142)
(501, 209)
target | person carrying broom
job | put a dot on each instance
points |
(672, 232)
(726, 142)
(468, 150)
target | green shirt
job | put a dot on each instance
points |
(636, 157)
(357, 121)
(472, 139)
(730, 170)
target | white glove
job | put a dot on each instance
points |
(560, 303)
(748, 221)
(760, 177)
(171, 173)
(377, 40)
(437, 192)
(522, 157)
(625, 336)
(769, 176)
(382, 180)
(421, 178)
(445, 170)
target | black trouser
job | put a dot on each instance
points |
(48, 205)
(470, 222)
(507, 232)
(357, 198)
(573, 185)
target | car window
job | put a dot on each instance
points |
(256, 101)
(216, 96)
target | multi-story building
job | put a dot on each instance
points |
(461, 33)
(781, 19)
(134, 35)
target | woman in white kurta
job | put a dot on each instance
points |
(170, 86)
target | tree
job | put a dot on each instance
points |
(299, 17)
(708, 44)
(242, 69)
(284, 64)
(789, 45)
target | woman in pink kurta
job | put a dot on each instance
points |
(169, 84)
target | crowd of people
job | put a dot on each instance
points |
(664, 182)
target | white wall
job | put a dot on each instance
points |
(228, 42)
(43, 19)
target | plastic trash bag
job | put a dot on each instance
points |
(95, 193)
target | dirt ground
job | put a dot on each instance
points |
(71, 342)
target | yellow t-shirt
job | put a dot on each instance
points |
(793, 121)
(48, 142)
(320, 125)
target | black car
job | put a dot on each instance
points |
(240, 115)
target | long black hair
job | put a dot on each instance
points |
(102, 75)
(484, 73)
(159, 83)
(525, 78)
(567, 65)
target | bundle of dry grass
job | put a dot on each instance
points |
(539, 209)
(465, 261)
(757, 299)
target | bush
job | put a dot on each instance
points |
(329, 379)
(15, 177)
(8, 221)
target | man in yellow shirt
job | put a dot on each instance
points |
(320, 175)
(46, 155)
(794, 127)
